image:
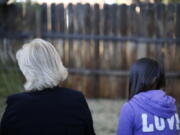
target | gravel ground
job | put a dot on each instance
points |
(105, 114)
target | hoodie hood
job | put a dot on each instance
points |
(156, 102)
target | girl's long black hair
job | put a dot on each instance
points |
(145, 74)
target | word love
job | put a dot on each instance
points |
(159, 123)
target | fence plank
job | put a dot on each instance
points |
(43, 18)
(177, 35)
(159, 30)
(151, 29)
(131, 51)
(100, 51)
(123, 32)
(69, 29)
(95, 50)
(114, 62)
(88, 52)
(174, 86)
(78, 45)
(54, 23)
(169, 50)
(141, 48)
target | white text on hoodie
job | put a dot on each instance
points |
(159, 123)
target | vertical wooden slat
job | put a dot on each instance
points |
(131, 46)
(69, 30)
(79, 28)
(109, 48)
(95, 58)
(91, 82)
(96, 21)
(114, 89)
(111, 44)
(160, 30)
(68, 43)
(54, 27)
(37, 21)
(160, 23)
(123, 32)
(105, 31)
(61, 17)
(43, 18)
(151, 29)
(123, 11)
(160, 14)
(175, 83)
(30, 18)
(141, 25)
(169, 50)
(88, 48)
(115, 31)
(60, 23)
(177, 31)
(177, 36)
(104, 58)
(78, 45)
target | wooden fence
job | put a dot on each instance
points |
(98, 45)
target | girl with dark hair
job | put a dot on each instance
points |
(149, 110)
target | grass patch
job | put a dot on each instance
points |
(11, 81)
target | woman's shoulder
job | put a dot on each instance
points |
(70, 91)
(127, 106)
(55, 90)
(60, 92)
(127, 114)
(17, 95)
(128, 109)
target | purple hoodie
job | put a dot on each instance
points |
(149, 113)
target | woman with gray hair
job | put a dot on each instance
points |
(45, 108)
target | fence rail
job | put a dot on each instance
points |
(64, 36)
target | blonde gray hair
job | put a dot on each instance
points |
(41, 65)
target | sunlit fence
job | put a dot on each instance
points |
(98, 45)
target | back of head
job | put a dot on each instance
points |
(145, 74)
(41, 65)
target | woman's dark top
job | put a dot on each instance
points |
(53, 111)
